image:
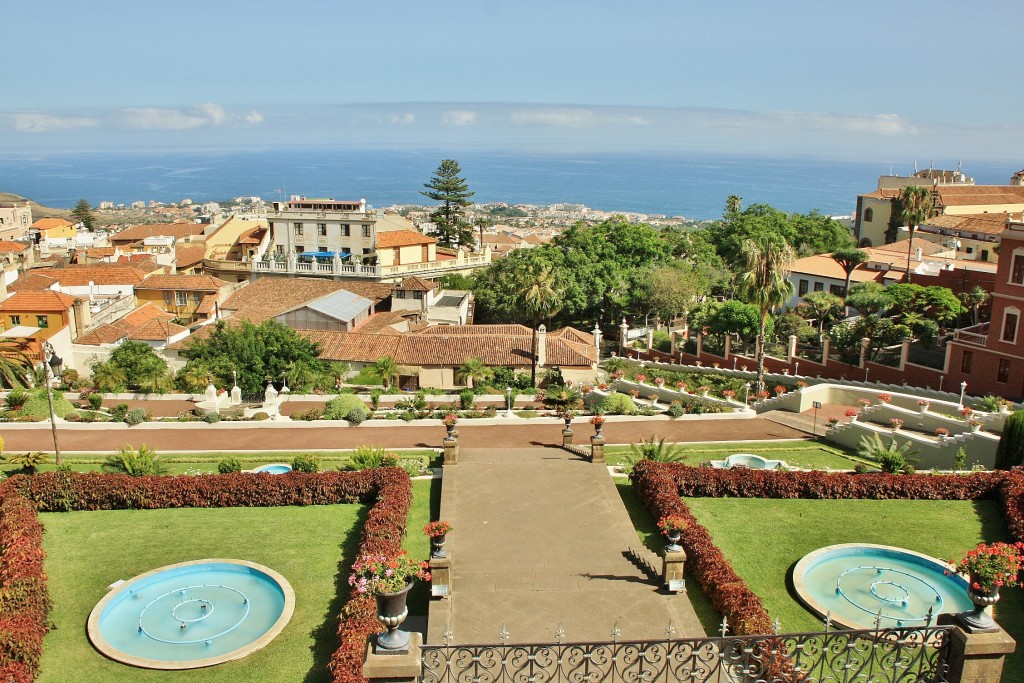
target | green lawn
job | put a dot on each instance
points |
(87, 551)
(803, 454)
(764, 538)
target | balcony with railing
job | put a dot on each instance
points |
(976, 334)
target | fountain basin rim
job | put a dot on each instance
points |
(100, 643)
(810, 559)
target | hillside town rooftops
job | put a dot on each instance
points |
(46, 300)
(199, 283)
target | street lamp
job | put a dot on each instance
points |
(963, 389)
(746, 395)
(51, 361)
(508, 402)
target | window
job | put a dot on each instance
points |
(181, 298)
(400, 294)
(280, 249)
(366, 250)
(836, 289)
(15, 320)
(1010, 318)
(299, 250)
(1017, 274)
(366, 231)
(298, 228)
(321, 229)
(965, 362)
(1003, 374)
(345, 231)
(984, 254)
(417, 295)
(869, 215)
(322, 249)
(819, 286)
(804, 284)
(42, 321)
(197, 297)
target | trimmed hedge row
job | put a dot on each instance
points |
(661, 485)
(24, 603)
(24, 600)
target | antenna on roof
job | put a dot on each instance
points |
(915, 165)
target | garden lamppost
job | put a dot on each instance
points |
(508, 401)
(963, 389)
(50, 361)
(746, 395)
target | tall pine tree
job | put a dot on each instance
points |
(452, 191)
(83, 214)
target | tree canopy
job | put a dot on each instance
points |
(452, 191)
(132, 365)
(83, 214)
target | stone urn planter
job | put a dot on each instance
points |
(979, 619)
(673, 536)
(437, 546)
(392, 611)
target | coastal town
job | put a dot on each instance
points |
(614, 392)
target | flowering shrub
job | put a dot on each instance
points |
(378, 574)
(852, 412)
(762, 394)
(992, 566)
(438, 528)
(672, 523)
(896, 423)
(941, 431)
(863, 402)
(602, 386)
(885, 398)
(681, 385)
(634, 393)
(586, 389)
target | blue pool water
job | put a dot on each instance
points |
(855, 583)
(274, 469)
(190, 613)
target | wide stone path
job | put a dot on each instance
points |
(538, 543)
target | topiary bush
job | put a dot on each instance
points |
(260, 416)
(1010, 451)
(618, 404)
(37, 406)
(95, 401)
(306, 462)
(135, 416)
(339, 407)
(229, 465)
(355, 416)
(211, 418)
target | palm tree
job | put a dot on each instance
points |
(473, 370)
(15, 363)
(764, 282)
(386, 368)
(848, 260)
(974, 300)
(915, 207)
(563, 398)
(108, 377)
(542, 300)
(824, 305)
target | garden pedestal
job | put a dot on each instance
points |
(567, 437)
(451, 451)
(977, 657)
(441, 576)
(597, 449)
(673, 569)
(403, 667)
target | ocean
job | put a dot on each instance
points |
(691, 185)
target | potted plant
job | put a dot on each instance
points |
(923, 404)
(966, 412)
(779, 390)
(942, 433)
(895, 423)
(681, 385)
(863, 402)
(672, 526)
(852, 413)
(729, 394)
(436, 532)
(801, 385)
(885, 398)
(566, 416)
(598, 422)
(763, 394)
(988, 567)
(603, 386)
(388, 578)
(974, 423)
(450, 420)
(640, 377)
(833, 421)
(704, 389)
(660, 381)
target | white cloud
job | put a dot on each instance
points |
(571, 117)
(40, 122)
(405, 119)
(205, 115)
(459, 118)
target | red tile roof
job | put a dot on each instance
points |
(968, 195)
(141, 232)
(200, 283)
(47, 300)
(51, 223)
(156, 330)
(119, 329)
(188, 255)
(270, 296)
(97, 273)
(32, 281)
(8, 247)
(402, 238)
(416, 284)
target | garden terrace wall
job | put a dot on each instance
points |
(24, 599)
(661, 487)
(388, 488)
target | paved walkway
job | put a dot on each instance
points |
(538, 542)
(170, 437)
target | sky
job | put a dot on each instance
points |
(843, 80)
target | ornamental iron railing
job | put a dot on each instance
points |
(900, 655)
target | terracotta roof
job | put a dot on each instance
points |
(32, 281)
(980, 223)
(156, 330)
(207, 305)
(899, 247)
(37, 301)
(416, 284)
(140, 232)
(823, 266)
(8, 247)
(188, 255)
(881, 194)
(537, 239)
(100, 252)
(252, 235)
(270, 296)
(143, 262)
(121, 328)
(402, 238)
(967, 195)
(500, 239)
(201, 283)
(381, 323)
(97, 273)
(51, 223)
(146, 312)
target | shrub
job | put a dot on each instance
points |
(28, 462)
(135, 416)
(364, 458)
(414, 404)
(375, 398)
(618, 404)
(341, 406)
(118, 412)
(355, 416)
(95, 401)
(310, 415)
(16, 399)
(211, 418)
(135, 463)
(408, 416)
(73, 417)
(466, 399)
(228, 465)
(306, 462)
(1010, 452)
(260, 416)
(989, 404)
(88, 417)
(36, 405)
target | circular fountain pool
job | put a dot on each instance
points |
(191, 615)
(274, 468)
(857, 583)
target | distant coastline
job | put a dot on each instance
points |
(693, 186)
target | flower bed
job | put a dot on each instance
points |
(388, 488)
(661, 487)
